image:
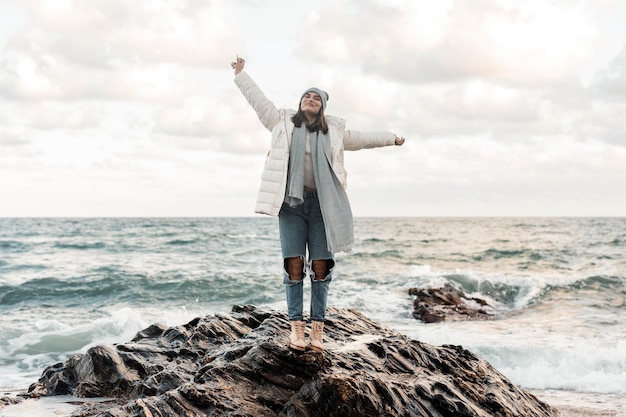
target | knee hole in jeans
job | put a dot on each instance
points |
(321, 272)
(294, 267)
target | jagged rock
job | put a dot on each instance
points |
(9, 400)
(448, 303)
(238, 365)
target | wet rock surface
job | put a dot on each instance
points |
(9, 400)
(237, 364)
(448, 303)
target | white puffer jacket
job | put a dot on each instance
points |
(278, 121)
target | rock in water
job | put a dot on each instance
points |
(448, 303)
(238, 365)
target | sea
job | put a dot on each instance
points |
(557, 287)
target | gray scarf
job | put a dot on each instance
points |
(334, 203)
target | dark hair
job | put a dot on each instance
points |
(318, 124)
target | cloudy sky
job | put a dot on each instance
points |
(128, 108)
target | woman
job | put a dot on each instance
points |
(304, 182)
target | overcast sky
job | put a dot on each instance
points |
(128, 108)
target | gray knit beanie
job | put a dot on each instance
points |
(323, 95)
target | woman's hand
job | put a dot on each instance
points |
(399, 141)
(238, 65)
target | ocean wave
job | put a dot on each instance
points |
(13, 246)
(110, 285)
(586, 367)
(613, 242)
(242, 236)
(73, 292)
(504, 292)
(49, 341)
(182, 242)
(606, 282)
(383, 254)
(373, 240)
(516, 254)
(510, 296)
(516, 292)
(20, 268)
(521, 292)
(80, 246)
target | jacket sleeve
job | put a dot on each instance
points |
(353, 140)
(266, 111)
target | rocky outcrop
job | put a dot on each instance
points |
(9, 400)
(238, 365)
(448, 303)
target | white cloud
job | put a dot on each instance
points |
(611, 81)
(211, 124)
(9, 140)
(99, 32)
(111, 49)
(510, 41)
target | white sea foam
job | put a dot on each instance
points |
(584, 367)
(535, 356)
(24, 356)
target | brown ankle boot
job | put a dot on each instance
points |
(296, 339)
(317, 334)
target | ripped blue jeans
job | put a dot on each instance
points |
(301, 231)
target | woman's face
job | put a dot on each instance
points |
(311, 104)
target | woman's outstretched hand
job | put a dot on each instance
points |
(399, 141)
(238, 64)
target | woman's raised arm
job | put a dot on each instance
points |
(265, 109)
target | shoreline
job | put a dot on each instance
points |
(583, 404)
(569, 404)
(52, 406)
